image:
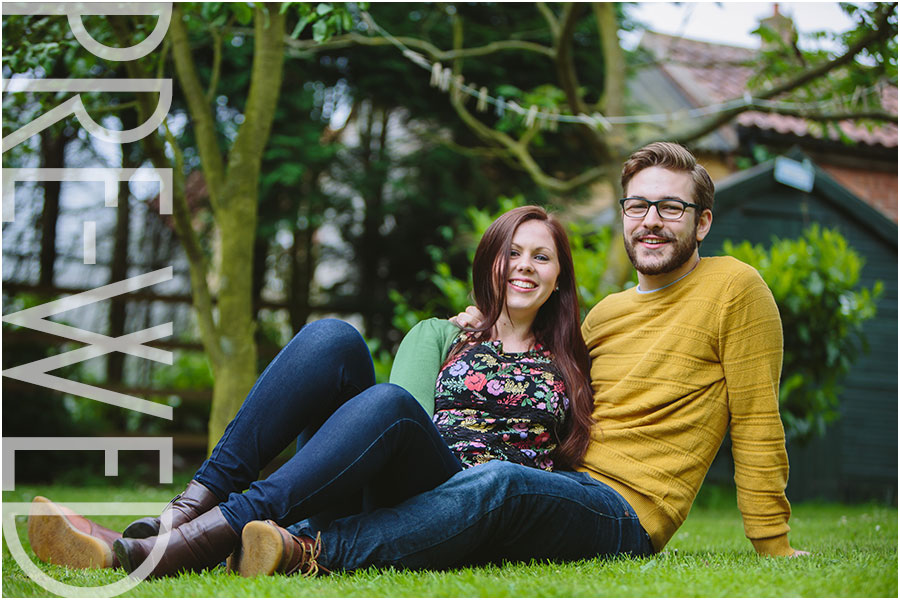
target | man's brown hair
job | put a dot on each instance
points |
(674, 157)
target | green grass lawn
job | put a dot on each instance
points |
(854, 554)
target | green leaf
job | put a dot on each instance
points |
(242, 12)
(301, 25)
(209, 9)
(320, 31)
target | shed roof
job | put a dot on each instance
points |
(739, 186)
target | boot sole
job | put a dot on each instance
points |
(121, 551)
(261, 550)
(55, 540)
(141, 529)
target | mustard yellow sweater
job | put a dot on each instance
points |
(672, 370)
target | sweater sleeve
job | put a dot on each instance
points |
(751, 354)
(419, 359)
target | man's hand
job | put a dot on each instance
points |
(470, 319)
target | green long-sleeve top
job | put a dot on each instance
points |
(420, 357)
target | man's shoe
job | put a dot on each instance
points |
(267, 549)
(198, 544)
(195, 500)
(64, 537)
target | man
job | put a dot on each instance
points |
(693, 350)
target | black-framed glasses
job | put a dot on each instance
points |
(669, 209)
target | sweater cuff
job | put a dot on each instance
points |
(773, 546)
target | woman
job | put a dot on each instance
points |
(515, 389)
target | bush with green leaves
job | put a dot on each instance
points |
(815, 283)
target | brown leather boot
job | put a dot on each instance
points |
(195, 500)
(198, 544)
(267, 549)
(66, 538)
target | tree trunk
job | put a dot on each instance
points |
(115, 362)
(118, 269)
(236, 216)
(302, 259)
(53, 147)
(374, 156)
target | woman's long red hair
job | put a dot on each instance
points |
(557, 325)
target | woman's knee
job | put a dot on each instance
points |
(333, 329)
(329, 334)
(391, 398)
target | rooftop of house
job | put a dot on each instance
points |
(702, 73)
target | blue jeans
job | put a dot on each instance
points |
(364, 445)
(485, 514)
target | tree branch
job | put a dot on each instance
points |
(202, 117)
(613, 100)
(810, 115)
(198, 266)
(550, 18)
(476, 152)
(217, 61)
(265, 85)
(433, 52)
(239, 204)
(568, 81)
(565, 66)
(523, 157)
(197, 263)
(517, 149)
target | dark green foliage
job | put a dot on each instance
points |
(814, 280)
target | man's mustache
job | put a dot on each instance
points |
(669, 237)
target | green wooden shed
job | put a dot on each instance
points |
(857, 458)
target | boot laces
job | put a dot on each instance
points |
(308, 566)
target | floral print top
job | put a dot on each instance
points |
(489, 404)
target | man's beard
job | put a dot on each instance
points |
(683, 251)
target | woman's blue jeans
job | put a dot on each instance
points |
(363, 445)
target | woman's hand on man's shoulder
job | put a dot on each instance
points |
(469, 319)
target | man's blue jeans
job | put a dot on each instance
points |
(489, 513)
(365, 445)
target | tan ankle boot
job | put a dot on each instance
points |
(66, 538)
(267, 549)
